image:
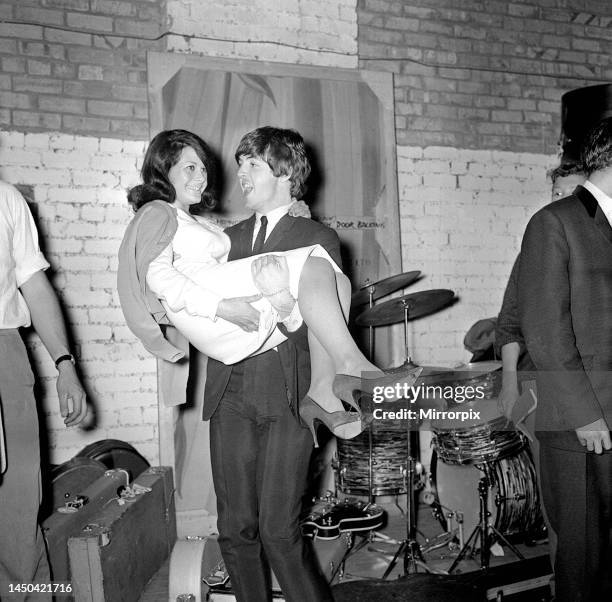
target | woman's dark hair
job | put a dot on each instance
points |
(283, 150)
(597, 148)
(164, 152)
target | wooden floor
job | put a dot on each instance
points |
(370, 556)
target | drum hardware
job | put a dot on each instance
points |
(409, 547)
(414, 305)
(371, 291)
(484, 530)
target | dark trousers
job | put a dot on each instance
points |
(260, 458)
(577, 490)
(23, 557)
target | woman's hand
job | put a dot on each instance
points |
(270, 274)
(299, 209)
(239, 311)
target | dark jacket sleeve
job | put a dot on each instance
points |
(508, 327)
(149, 232)
(546, 321)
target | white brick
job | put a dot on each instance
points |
(81, 263)
(116, 163)
(95, 178)
(37, 140)
(61, 141)
(65, 159)
(86, 143)
(93, 213)
(11, 140)
(111, 145)
(21, 157)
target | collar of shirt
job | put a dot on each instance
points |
(273, 216)
(604, 201)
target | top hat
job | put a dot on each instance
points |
(581, 110)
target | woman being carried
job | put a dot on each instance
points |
(173, 269)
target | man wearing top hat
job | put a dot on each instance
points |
(565, 309)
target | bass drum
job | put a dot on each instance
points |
(113, 453)
(68, 480)
(513, 498)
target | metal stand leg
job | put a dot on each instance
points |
(409, 547)
(487, 533)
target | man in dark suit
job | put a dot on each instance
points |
(260, 451)
(565, 308)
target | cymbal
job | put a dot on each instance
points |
(434, 375)
(419, 304)
(384, 287)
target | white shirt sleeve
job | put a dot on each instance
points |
(179, 291)
(26, 252)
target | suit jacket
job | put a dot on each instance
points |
(565, 308)
(285, 372)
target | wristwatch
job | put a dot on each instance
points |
(64, 358)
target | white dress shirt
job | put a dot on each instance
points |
(604, 201)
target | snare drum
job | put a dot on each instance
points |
(513, 498)
(484, 436)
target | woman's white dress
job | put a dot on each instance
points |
(192, 275)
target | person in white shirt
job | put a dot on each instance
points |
(26, 297)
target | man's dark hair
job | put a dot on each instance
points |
(283, 150)
(162, 154)
(597, 148)
(568, 168)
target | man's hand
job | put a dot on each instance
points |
(72, 403)
(299, 209)
(239, 311)
(509, 394)
(270, 274)
(595, 436)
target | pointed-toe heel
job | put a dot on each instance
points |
(345, 425)
(385, 387)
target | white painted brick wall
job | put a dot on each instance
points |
(463, 213)
(312, 32)
(79, 198)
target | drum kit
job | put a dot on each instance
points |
(382, 461)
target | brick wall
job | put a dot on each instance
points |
(463, 214)
(477, 102)
(475, 74)
(313, 32)
(77, 66)
(76, 189)
(74, 121)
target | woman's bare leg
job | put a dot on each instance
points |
(322, 310)
(321, 363)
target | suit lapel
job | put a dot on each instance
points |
(594, 210)
(242, 244)
(278, 234)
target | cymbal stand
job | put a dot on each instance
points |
(406, 306)
(409, 546)
(371, 291)
(486, 532)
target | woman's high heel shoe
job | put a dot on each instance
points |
(384, 387)
(345, 425)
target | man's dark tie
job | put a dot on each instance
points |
(261, 236)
